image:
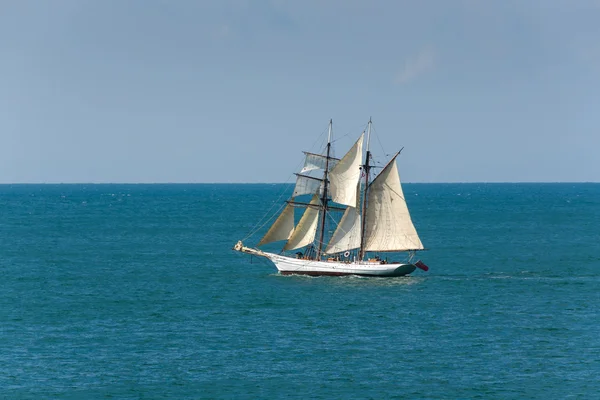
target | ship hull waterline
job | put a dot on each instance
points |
(298, 266)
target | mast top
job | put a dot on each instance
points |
(369, 136)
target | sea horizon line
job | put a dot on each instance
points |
(291, 183)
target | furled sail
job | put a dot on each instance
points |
(347, 234)
(306, 184)
(304, 234)
(389, 226)
(317, 161)
(282, 228)
(344, 177)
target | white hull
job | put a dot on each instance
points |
(287, 266)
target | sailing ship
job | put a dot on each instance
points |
(375, 219)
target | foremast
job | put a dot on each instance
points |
(324, 194)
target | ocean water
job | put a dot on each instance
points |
(133, 292)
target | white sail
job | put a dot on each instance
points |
(389, 226)
(347, 234)
(307, 185)
(282, 228)
(346, 174)
(317, 161)
(304, 234)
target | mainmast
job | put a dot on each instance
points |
(366, 168)
(324, 196)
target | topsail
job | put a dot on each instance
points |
(306, 184)
(346, 174)
(317, 161)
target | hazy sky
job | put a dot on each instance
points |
(233, 90)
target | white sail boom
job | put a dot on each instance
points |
(389, 226)
(346, 174)
(304, 234)
(282, 228)
(307, 185)
(347, 234)
(317, 161)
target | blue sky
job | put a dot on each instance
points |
(233, 90)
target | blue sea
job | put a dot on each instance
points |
(133, 292)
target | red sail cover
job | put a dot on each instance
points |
(421, 265)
